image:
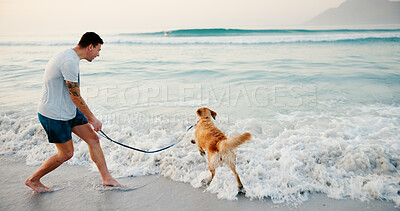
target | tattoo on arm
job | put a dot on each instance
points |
(73, 88)
(74, 92)
(72, 84)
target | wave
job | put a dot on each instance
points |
(252, 32)
(257, 40)
(352, 154)
(222, 40)
(230, 36)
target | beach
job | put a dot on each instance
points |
(322, 105)
(77, 188)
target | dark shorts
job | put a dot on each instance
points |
(59, 131)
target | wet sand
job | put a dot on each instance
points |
(78, 188)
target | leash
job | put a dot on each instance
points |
(140, 150)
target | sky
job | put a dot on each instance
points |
(107, 16)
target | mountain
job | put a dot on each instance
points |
(353, 12)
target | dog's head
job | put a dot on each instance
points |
(205, 113)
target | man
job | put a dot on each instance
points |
(62, 111)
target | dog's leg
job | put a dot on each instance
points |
(232, 165)
(212, 164)
(212, 172)
(240, 185)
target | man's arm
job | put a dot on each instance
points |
(74, 92)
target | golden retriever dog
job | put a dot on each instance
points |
(219, 148)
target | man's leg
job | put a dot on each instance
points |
(86, 133)
(65, 152)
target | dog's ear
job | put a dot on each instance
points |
(198, 112)
(213, 114)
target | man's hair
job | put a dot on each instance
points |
(90, 38)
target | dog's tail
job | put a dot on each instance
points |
(233, 141)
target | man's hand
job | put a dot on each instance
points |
(95, 123)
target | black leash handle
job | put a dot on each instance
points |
(140, 150)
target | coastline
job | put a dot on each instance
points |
(79, 188)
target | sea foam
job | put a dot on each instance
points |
(291, 156)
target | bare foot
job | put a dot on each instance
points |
(112, 182)
(37, 186)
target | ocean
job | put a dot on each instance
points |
(322, 106)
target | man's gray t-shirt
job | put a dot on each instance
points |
(56, 102)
